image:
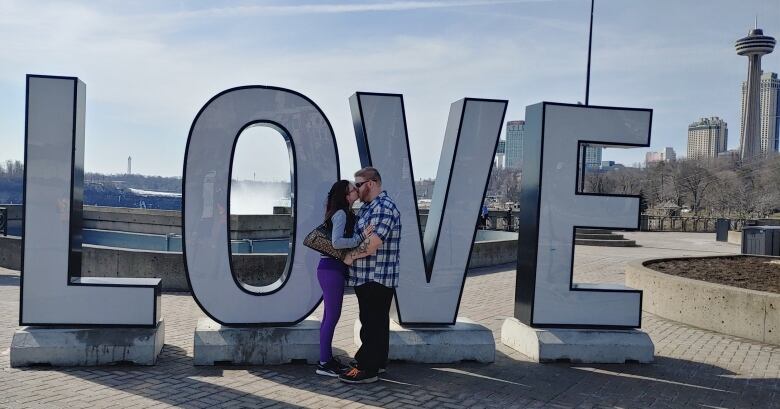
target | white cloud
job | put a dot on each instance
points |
(334, 8)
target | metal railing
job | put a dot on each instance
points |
(684, 224)
(504, 221)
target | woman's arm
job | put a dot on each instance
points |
(339, 221)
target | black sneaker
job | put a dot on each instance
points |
(357, 376)
(354, 364)
(332, 368)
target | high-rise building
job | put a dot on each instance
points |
(500, 154)
(653, 157)
(769, 111)
(515, 133)
(129, 165)
(707, 137)
(754, 46)
(670, 155)
(593, 157)
(667, 155)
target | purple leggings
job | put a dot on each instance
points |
(330, 272)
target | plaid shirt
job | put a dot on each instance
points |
(381, 268)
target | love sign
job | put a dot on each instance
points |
(433, 264)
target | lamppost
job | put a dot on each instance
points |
(583, 151)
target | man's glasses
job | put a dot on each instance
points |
(358, 184)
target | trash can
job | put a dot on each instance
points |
(644, 223)
(722, 229)
(761, 240)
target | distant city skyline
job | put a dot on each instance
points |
(150, 66)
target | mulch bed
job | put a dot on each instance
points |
(752, 273)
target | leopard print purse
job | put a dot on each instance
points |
(320, 240)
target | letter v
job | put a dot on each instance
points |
(432, 266)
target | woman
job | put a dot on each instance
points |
(331, 272)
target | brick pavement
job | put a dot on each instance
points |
(693, 367)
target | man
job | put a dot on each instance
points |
(484, 216)
(374, 274)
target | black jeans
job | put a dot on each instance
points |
(374, 301)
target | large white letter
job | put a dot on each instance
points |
(433, 267)
(52, 291)
(552, 208)
(208, 163)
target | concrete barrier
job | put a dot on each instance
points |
(132, 220)
(493, 247)
(99, 261)
(152, 221)
(729, 310)
(493, 252)
(11, 252)
(735, 237)
(254, 269)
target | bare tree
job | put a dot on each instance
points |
(694, 180)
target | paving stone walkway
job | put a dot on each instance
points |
(693, 367)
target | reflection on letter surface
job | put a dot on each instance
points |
(551, 209)
(207, 167)
(432, 269)
(52, 291)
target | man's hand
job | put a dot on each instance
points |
(368, 230)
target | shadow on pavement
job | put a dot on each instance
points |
(667, 382)
(172, 381)
(510, 380)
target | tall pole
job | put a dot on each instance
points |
(590, 44)
(587, 95)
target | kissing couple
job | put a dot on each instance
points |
(370, 241)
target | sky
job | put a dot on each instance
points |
(150, 66)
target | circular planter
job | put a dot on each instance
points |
(729, 310)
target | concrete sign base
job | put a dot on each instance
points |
(464, 341)
(216, 344)
(577, 345)
(87, 346)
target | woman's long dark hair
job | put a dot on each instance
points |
(337, 200)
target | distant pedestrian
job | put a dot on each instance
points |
(484, 216)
